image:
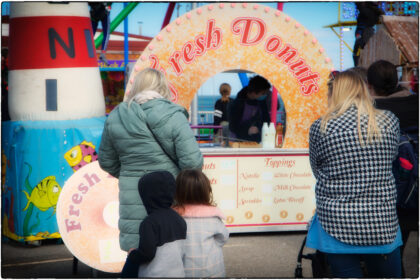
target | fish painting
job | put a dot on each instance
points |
(80, 155)
(44, 195)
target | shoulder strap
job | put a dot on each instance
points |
(160, 145)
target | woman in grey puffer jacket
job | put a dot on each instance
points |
(145, 133)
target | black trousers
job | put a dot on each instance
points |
(130, 269)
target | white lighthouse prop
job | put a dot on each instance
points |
(57, 112)
(53, 67)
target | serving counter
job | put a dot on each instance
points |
(261, 189)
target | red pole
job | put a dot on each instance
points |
(273, 115)
(168, 15)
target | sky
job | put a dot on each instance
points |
(148, 16)
(313, 15)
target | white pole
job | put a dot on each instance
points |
(194, 103)
(341, 48)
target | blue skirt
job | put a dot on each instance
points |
(317, 238)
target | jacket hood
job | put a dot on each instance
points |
(199, 211)
(157, 190)
(134, 117)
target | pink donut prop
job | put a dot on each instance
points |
(217, 38)
(87, 218)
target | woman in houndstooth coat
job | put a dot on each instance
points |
(351, 150)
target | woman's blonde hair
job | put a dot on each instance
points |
(347, 89)
(149, 79)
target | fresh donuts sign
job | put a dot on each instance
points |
(199, 46)
(242, 27)
(224, 37)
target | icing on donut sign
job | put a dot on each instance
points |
(244, 36)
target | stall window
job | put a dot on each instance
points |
(213, 107)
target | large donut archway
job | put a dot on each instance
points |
(248, 36)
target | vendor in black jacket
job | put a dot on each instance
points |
(249, 110)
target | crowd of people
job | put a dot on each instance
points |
(169, 223)
(147, 143)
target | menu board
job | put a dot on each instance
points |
(273, 191)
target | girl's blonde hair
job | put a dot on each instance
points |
(347, 89)
(149, 79)
(193, 187)
(225, 89)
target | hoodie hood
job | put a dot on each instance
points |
(157, 190)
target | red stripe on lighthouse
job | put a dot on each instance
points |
(50, 42)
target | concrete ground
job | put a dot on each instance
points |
(257, 255)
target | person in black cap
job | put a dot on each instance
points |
(368, 17)
(99, 12)
(159, 254)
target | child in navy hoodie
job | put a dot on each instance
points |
(162, 232)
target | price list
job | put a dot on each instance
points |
(262, 190)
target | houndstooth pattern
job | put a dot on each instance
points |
(355, 189)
